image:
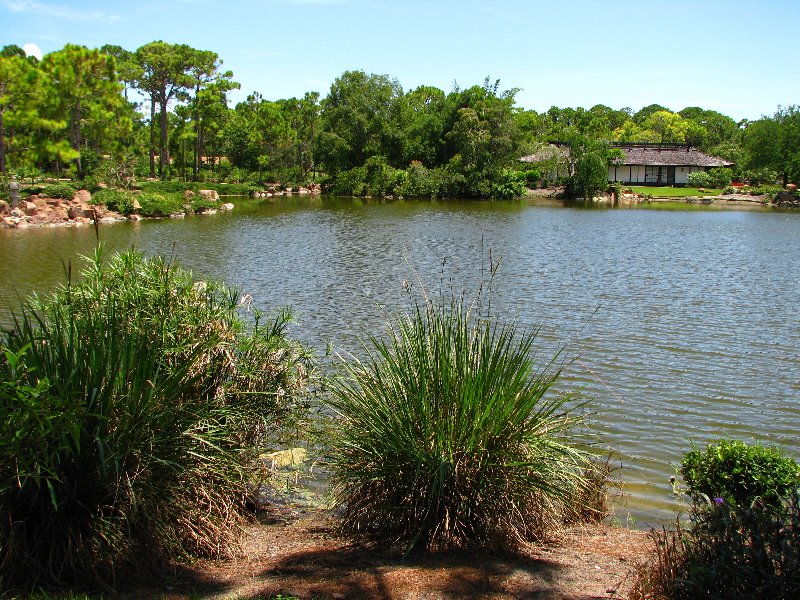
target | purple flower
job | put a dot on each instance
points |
(719, 500)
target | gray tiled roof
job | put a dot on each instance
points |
(670, 156)
(644, 154)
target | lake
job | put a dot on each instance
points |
(683, 324)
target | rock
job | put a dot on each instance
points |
(226, 206)
(188, 194)
(210, 195)
(136, 206)
(74, 212)
(5, 207)
(54, 201)
(302, 191)
(701, 189)
(134, 217)
(177, 215)
(82, 196)
(8, 222)
(30, 208)
(23, 224)
(90, 212)
(211, 211)
(791, 187)
(17, 213)
(109, 219)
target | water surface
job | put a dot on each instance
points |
(684, 323)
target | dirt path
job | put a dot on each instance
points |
(304, 556)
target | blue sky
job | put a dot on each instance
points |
(738, 57)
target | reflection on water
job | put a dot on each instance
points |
(684, 323)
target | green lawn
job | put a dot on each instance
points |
(673, 192)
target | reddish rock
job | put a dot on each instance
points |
(82, 196)
(30, 208)
(5, 207)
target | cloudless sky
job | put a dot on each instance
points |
(739, 57)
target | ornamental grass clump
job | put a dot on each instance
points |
(451, 436)
(133, 407)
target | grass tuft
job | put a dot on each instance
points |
(134, 406)
(451, 436)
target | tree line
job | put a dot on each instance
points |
(164, 110)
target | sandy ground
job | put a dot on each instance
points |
(303, 555)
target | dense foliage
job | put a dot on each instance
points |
(740, 474)
(135, 404)
(451, 436)
(743, 540)
(163, 110)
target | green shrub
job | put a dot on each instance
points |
(743, 539)
(160, 205)
(508, 185)
(134, 406)
(740, 474)
(729, 189)
(726, 553)
(117, 200)
(199, 204)
(451, 436)
(590, 178)
(762, 176)
(64, 191)
(532, 177)
(420, 182)
(350, 183)
(698, 179)
(720, 177)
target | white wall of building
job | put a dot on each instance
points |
(635, 173)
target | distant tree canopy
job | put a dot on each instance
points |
(166, 107)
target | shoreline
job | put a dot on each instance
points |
(45, 212)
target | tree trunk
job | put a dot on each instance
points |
(163, 163)
(76, 138)
(152, 136)
(2, 145)
(196, 153)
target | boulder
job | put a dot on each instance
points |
(136, 206)
(74, 212)
(188, 194)
(82, 196)
(791, 187)
(90, 212)
(30, 208)
(226, 206)
(5, 207)
(210, 195)
(8, 222)
(17, 213)
(54, 201)
(134, 217)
